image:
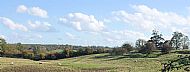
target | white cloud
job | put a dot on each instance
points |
(12, 25)
(35, 11)
(167, 37)
(40, 26)
(118, 37)
(39, 36)
(21, 9)
(25, 37)
(150, 18)
(107, 21)
(69, 35)
(184, 30)
(82, 22)
(146, 18)
(2, 36)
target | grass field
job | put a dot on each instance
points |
(88, 63)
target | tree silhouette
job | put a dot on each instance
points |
(157, 39)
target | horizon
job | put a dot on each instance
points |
(91, 23)
(59, 44)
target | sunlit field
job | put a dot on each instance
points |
(88, 63)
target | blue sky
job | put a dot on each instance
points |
(85, 22)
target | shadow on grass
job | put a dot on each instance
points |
(103, 69)
(103, 57)
(132, 55)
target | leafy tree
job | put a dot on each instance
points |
(176, 40)
(67, 51)
(19, 47)
(127, 47)
(2, 44)
(166, 48)
(88, 50)
(157, 39)
(185, 42)
(140, 43)
(42, 55)
(117, 51)
(28, 54)
(81, 51)
(36, 49)
(148, 48)
(100, 50)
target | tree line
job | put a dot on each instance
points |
(39, 52)
(156, 42)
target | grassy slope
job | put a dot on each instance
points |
(89, 63)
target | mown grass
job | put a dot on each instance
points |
(89, 63)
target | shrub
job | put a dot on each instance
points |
(28, 54)
(42, 55)
(148, 48)
(117, 51)
(127, 47)
(137, 55)
(166, 49)
(51, 57)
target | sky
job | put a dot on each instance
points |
(91, 22)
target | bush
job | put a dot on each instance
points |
(117, 51)
(124, 49)
(166, 49)
(138, 55)
(28, 54)
(148, 48)
(51, 57)
(42, 56)
(36, 57)
(127, 47)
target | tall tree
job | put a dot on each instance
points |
(157, 39)
(176, 40)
